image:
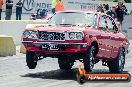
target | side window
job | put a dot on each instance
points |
(110, 24)
(102, 23)
(91, 20)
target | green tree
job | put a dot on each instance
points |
(115, 0)
(127, 1)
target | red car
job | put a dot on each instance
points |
(77, 35)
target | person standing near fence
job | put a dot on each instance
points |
(53, 6)
(113, 13)
(1, 4)
(9, 5)
(100, 8)
(19, 6)
(120, 12)
(57, 5)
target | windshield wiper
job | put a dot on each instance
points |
(64, 24)
(68, 24)
(86, 25)
(72, 24)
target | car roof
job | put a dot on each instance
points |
(93, 12)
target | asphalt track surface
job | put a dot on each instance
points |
(15, 73)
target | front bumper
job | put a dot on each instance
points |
(64, 47)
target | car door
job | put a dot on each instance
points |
(103, 38)
(115, 38)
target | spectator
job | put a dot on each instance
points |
(100, 8)
(107, 7)
(120, 12)
(19, 6)
(53, 6)
(57, 5)
(1, 3)
(112, 13)
(9, 5)
(125, 9)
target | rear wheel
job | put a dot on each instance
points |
(117, 65)
(89, 59)
(65, 64)
(31, 60)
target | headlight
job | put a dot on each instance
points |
(79, 36)
(72, 36)
(75, 36)
(30, 34)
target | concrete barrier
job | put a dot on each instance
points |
(7, 46)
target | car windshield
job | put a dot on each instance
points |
(73, 18)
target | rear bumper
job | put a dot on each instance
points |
(66, 47)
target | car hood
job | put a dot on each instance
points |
(54, 28)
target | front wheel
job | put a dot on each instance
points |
(31, 60)
(89, 59)
(117, 65)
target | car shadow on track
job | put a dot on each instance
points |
(54, 74)
(61, 74)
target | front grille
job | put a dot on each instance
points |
(51, 35)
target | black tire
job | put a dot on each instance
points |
(30, 60)
(117, 65)
(65, 64)
(89, 59)
(81, 79)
